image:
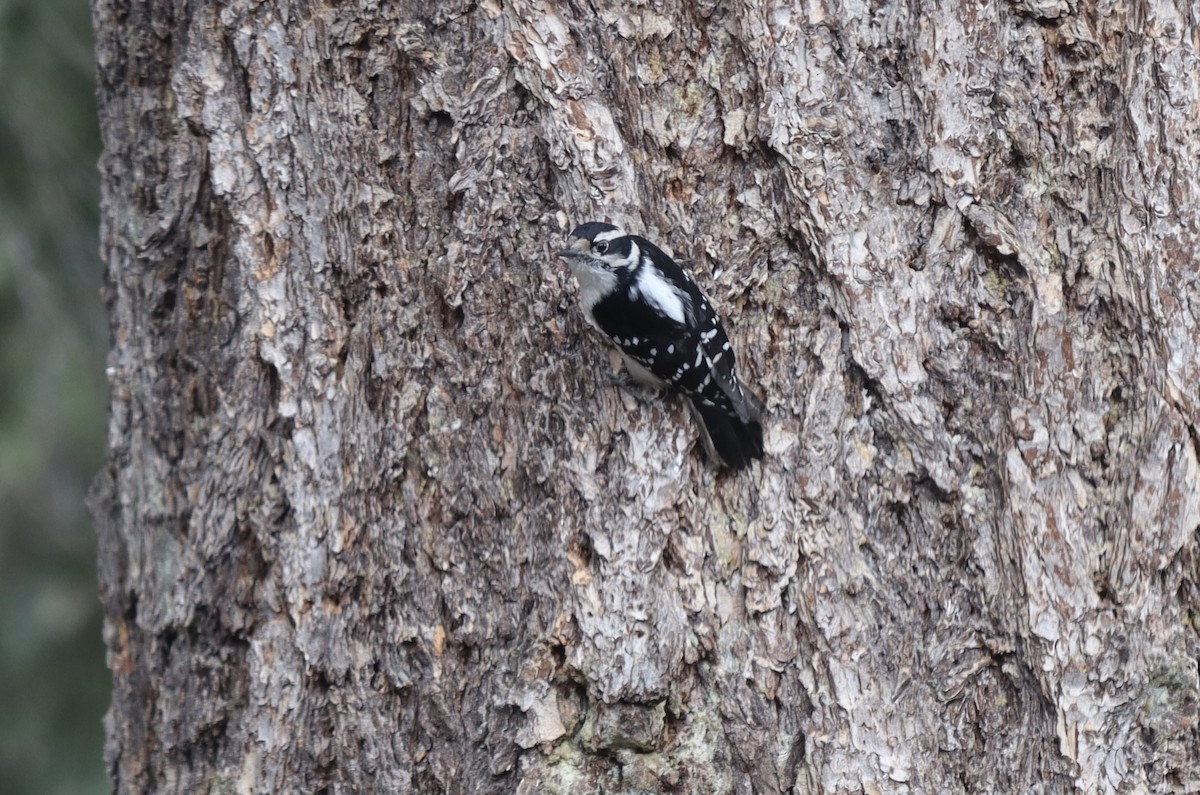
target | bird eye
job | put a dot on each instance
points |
(601, 246)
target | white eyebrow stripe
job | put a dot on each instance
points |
(611, 235)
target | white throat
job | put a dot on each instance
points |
(594, 284)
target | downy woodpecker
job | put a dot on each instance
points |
(667, 333)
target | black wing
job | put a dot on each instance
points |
(712, 341)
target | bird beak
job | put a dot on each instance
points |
(577, 249)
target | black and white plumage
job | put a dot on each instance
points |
(667, 332)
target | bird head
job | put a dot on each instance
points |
(600, 246)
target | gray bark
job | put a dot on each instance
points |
(376, 517)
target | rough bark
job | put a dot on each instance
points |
(377, 518)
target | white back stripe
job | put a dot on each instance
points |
(660, 292)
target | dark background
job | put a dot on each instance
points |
(53, 336)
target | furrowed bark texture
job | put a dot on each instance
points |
(377, 517)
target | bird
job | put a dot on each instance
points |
(668, 334)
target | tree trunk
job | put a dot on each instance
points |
(380, 516)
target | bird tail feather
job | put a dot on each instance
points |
(729, 440)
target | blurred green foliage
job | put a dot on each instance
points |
(53, 337)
